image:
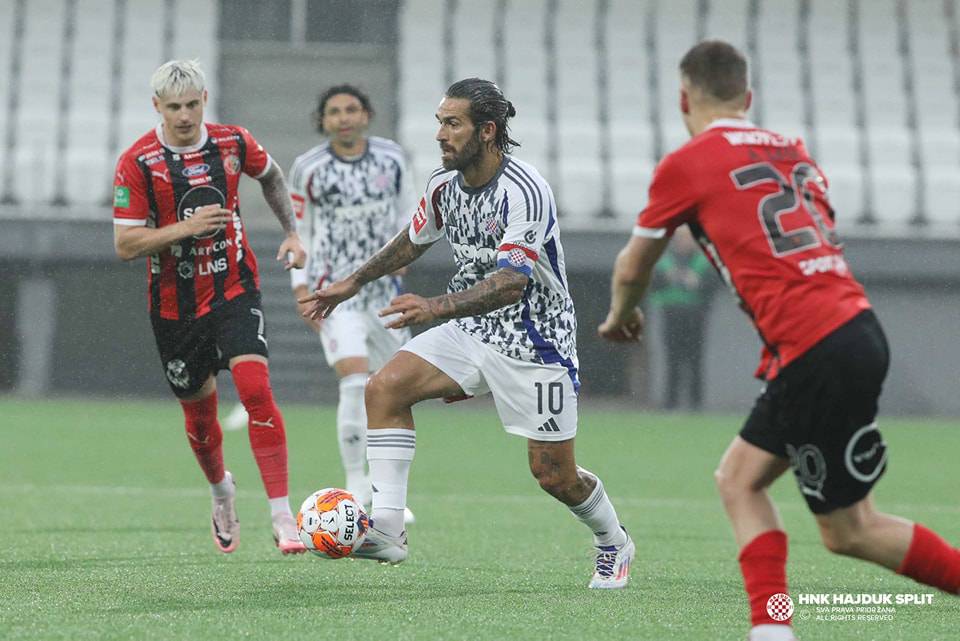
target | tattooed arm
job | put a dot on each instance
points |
(504, 287)
(399, 252)
(275, 192)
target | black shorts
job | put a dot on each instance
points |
(192, 351)
(820, 412)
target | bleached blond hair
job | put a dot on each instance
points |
(176, 77)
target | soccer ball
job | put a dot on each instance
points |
(331, 523)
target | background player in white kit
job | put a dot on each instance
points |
(351, 194)
(513, 333)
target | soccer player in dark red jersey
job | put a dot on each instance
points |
(758, 205)
(175, 202)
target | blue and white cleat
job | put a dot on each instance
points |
(613, 565)
(382, 547)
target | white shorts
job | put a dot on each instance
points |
(533, 400)
(360, 334)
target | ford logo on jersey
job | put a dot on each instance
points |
(195, 170)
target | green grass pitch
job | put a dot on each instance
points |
(104, 534)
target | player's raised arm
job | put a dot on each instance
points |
(502, 288)
(399, 252)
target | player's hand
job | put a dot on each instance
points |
(413, 310)
(208, 219)
(623, 330)
(301, 291)
(291, 252)
(322, 302)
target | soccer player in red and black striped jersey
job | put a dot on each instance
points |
(758, 205)
(175, 202)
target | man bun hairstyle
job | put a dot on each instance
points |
(335, 90)
(718, 69)
(487, 104)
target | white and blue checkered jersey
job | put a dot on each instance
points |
(509, 223)
(346, 210)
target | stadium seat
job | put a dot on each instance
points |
(473, 43)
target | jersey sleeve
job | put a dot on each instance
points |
(130, 205)
(303, 220)
(406, 202)
(528, 216)
(427, 224)
(256, 161)
(671, 200)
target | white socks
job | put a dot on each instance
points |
(352, 434)
(224, 488)
(597, 513)
(279, 505)
(390, 452)
(771, 632)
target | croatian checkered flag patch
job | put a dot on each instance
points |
(516, 257)
(780, 606)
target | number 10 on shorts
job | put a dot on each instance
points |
(553, 398)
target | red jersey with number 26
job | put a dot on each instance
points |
(158, 185)
(758, 206)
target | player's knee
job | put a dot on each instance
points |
(384, 391)
(727, 484)
(551, 480)
(845, 541)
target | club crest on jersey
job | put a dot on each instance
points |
(491, 225)
(231, 164)
(195, 170)
(177, 374)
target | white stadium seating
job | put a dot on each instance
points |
(871, 162)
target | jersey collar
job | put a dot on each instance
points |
(731, 123)
(189, 148)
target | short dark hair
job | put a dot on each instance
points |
(335, 90)
(487, 104)
(718, 68)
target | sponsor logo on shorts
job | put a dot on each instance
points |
(121, 197)
(177, 374)
(195, 170)
(810, 468)
(866, 454)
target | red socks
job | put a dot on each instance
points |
(932, 561)
(205, 436)
(763, 562)
(268, 439)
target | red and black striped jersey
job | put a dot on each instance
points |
(758, 205)
(157, 185)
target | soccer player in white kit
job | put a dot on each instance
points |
(512, 328)
(351, 194)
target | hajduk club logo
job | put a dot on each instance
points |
(780, 606)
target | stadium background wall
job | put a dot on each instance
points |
(74, 322)
(73, 318)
